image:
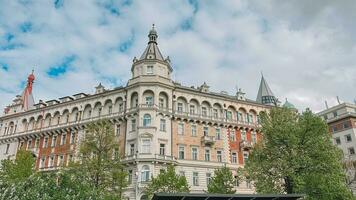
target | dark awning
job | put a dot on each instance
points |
(192, 196)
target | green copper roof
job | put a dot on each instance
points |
(287, 104)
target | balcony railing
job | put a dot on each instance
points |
(246, 145)
(148, 156)
(208, 140)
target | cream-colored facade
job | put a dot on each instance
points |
(157, 122)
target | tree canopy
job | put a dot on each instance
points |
(167, 181)
(296, 155)
(222, 182)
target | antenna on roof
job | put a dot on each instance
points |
(326, 105)
(338, 100)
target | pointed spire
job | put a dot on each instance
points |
(27, 97)
(265, 94)
(152, 51)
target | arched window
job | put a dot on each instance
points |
(147, 120)
(145, 173)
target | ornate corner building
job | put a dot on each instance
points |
(157, 122)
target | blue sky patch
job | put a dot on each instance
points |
(58, 3)
(62, 68)
(9, 37)
(187, 24)
(4, 66)
(126, 45)
(195, 5)
(26, 27)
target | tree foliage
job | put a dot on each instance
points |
(222, 182)
(14, 171)
(100, 165)
(297, 156)
(99, 175)
(167, 181)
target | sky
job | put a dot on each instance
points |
(305, 49)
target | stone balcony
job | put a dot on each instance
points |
(246, 145)
(208, 140)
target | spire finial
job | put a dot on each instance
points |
(152, 36)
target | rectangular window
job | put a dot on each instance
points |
(51, 161)
(351, 151)
(335, 114)
(181, 152)
(245, 157)
(161, 103)
(254, 137)
(116, 153)
(54, 140)
(206, 131)
(69, 159)
(132, 149)
(129, 177)
(117, 131)
(239, 117)
(45, 142)
(7, 148)
(232, 136)
(219, 156)
(149, 101)
(42, 162)
(121, 107)
(229, 115)
(217, 134)
(192, 109)
(348, 138)
(63, 139)
(149, 69)
(29, 144)
(61, 159)
(194, 130)
(180, 129)
(162, 125)
(207, 154)
(180, 107)
(195, 179)
(72, 137)
(208, 178)
(337, 141)
(181, 173)
(215, 113)
(204, 111)
(162, 149)
(334, 128)
(346, 125)
(110, 109)
(243, 135)
(146, 146)
(194, 153)
(37, 143)
(233, 158)
(133, 125)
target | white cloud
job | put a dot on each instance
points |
(306, 49)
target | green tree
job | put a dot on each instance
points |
(100, 160)
(296, 155)
(222, 182)
(15, 171)
(167, 181)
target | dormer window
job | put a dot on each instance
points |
(149, 69)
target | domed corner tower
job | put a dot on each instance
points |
(151, 66)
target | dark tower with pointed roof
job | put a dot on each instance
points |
(265, 95)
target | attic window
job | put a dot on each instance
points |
(149, 69)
